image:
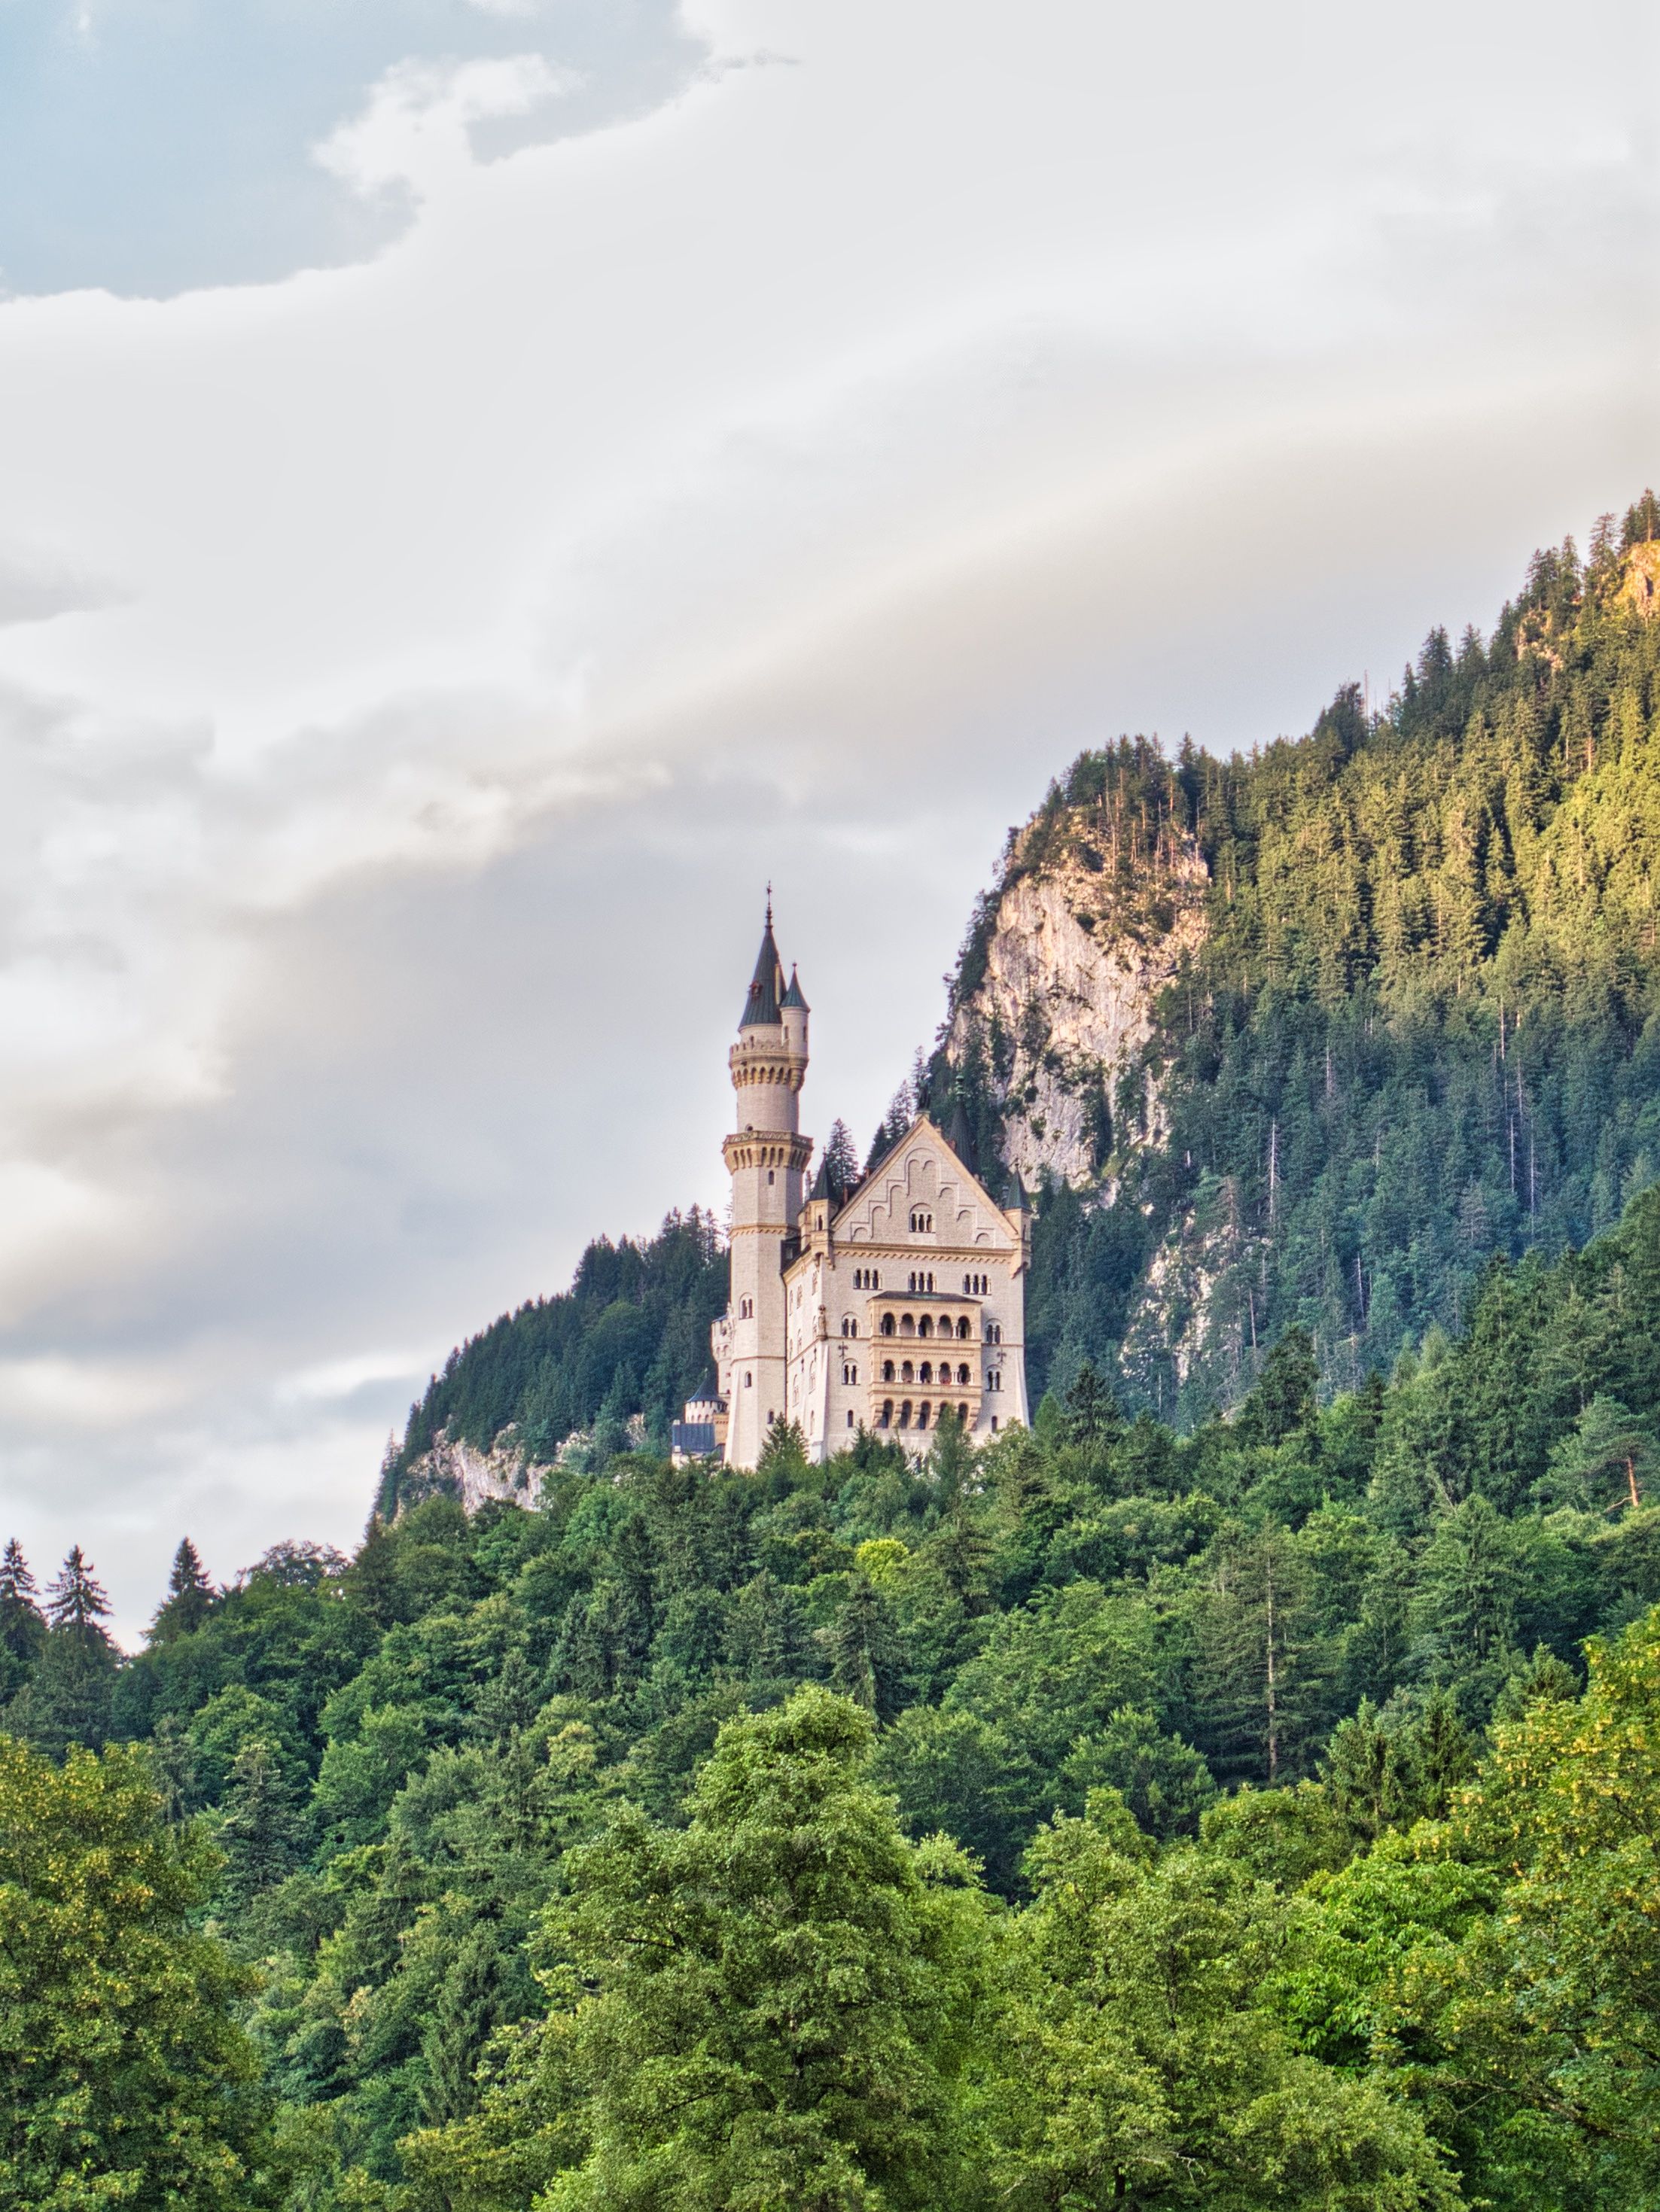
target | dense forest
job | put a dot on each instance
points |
(1421, 1026)
(1262, 1816)
(1241, 1789)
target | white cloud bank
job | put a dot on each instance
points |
(785, 483)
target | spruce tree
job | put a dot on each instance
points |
(22, 1624)
(469, 2008)
(189, 1598)
(76, 1600)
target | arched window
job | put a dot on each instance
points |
(993, 1331)
(887, 1371)
(749, 1380)
(769, 1175)
(926, 1373)
(925, 1326)
(962, 1372)
(964, 1329)
(746, 1309)
(886, 1421)
(907, 1372)
(922, 1415)
(887, 1324)
(904, 1414)
(922, 1221)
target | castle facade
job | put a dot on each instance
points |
(881, 1306)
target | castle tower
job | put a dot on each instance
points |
(766, 1155)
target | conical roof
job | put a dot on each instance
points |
(792, 997)
(766, 985)
(1014, 1198)
(960, 1137)
(822, 1186)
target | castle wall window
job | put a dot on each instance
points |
(962, 1328)
(922, 1415)
(907, 1373)
(962, 1372)
(749, 1380)
(849, 1374)
(907, 1324)
(887, 1324)
(769, 1175)
(925, 1326)
(746, 1309)
(962, 1415)
(886, 1421)
(921, 1221)
(993, 1331)
(975, 1287)
(849, 1417)
(925, 1374)
(904, 1414)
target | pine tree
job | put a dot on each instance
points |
(469, 2008)
(260, 1832)
(865, 1651)
(189, 1598)
(840, 1160)
(76, 1600)
(22, 1624)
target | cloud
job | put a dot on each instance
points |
(783, 481)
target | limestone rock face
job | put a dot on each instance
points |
(1077, 954)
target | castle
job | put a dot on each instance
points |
(880, 1307)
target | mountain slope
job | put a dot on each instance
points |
(1304, 1037)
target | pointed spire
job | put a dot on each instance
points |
(960, 1137)
(768, 981)
(822, 1186)
(1014, 1198)
(792, 997)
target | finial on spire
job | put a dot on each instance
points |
(769, 906)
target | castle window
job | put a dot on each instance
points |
(907, 1373)
(993, 1331)
(921, 1221)
(925, 1326)
(746, 1309)
(926, 1371)
(962, 1372)
(922, 1414)
(962, 1328)
(769, 1175)
(849, 1417)
(887, 1324)
(886, 1421)
(904, 1414)
(749, 1380)
(887, 1371)
(962, 1415)
(907, 1324)
(994, 1424)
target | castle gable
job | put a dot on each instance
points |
(922, 1179)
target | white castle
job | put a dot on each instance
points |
(879, 1307)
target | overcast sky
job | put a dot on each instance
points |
(487, 482)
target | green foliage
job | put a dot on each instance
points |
(126, 2082)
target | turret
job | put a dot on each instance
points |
(766, 1155)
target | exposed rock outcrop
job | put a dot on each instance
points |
(1081, 944)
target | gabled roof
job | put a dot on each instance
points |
(922, 1125)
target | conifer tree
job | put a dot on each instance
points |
(189, 1596)
(77, 1600)
(22, 1624)
(470, 2007)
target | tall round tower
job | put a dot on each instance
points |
(766, 1155)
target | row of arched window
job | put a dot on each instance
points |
(866, 1278)
(975, 1287)
(911, 1416)
(924, 1373)
(908, 1325)
(921, 1282)
(922, 1221)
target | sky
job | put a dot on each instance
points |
(490, 483)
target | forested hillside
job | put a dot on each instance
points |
(1106, 1816)
(1401, 981)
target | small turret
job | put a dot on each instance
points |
(793, 1012)
(761, 1002)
